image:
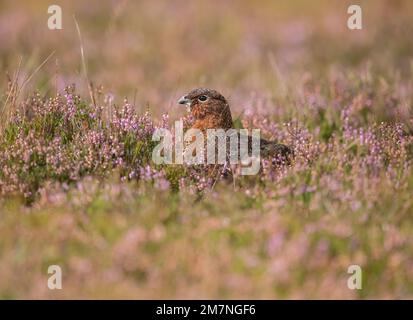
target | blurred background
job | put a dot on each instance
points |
(153, 51)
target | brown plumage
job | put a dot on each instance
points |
(211, 110)
(213, 113)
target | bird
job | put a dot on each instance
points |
(210, 110)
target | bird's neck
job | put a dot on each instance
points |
(212, 123)
(221, 119)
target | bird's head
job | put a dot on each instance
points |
(208, 105)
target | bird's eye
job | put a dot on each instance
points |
(202, 98)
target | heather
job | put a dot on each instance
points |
(78, 187)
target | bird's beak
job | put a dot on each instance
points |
(185, 101)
